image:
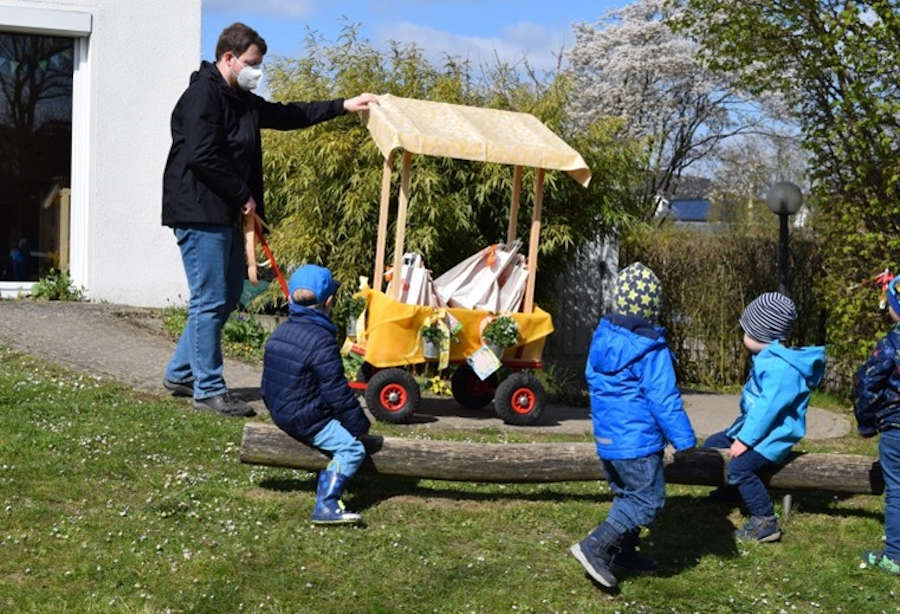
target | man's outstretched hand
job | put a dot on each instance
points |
(359, 103)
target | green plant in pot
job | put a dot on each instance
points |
(500, 333)
(433, 335)
(347, 312)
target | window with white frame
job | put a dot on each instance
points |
(36, 74)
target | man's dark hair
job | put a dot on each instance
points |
(237, 38)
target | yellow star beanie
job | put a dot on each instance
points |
(637, 292)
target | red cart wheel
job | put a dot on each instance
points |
(392, 395)
(520, 399)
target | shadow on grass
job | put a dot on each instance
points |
(819, 502)
(687, 530)
(366, 491)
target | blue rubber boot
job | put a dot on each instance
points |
(596, 551)
(329, 507)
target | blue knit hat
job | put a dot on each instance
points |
(769, 317)
(637, 292)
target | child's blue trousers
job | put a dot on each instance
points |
(743, 472)
(639, 489)
(889, 458)
(347, 452)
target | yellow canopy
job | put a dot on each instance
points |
(470, 133)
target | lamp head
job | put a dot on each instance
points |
(784, 198)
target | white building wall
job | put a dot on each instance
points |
(140, 54)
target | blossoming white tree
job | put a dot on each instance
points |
(632, 64)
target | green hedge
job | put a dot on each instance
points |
(708, 278)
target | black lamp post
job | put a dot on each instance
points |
(784, 199)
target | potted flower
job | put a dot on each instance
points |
(433, 335)
(500, 333)
(348, 310)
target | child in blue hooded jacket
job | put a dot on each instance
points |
(635, 408)
(876, 403)
(306, 393)
(772, 414)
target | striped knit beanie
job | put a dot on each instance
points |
(769, 317)
(637, 292)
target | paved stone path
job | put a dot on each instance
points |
(125, 344)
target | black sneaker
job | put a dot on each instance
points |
(225, 404)
(179, 389)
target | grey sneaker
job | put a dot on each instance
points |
(225, 404)
(760, 529)
(179, 389)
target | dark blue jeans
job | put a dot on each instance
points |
(889, 458)
(743, 472)
(639, 491)
(213, 258)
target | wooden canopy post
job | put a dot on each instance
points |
(401, 226)
(533, 239)
(514, 205)
(383, 211)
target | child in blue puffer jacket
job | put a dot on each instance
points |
(306, 393)
(876, 403)
(772, 414)
(635, 408)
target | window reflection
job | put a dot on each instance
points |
(35, 153)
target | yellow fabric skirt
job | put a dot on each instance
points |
(392, 332)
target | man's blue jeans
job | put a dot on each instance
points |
(639, 489)
(743, 472)
(213, 258)
(889, 458)
(347, 451)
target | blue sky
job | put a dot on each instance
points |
(475, 29)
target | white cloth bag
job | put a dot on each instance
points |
(512, 285)
(417, 286)
(474, 282)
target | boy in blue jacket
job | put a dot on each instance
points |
(876, 403)
(305, 391)
(773, 406)
(635, 408)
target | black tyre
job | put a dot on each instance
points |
(520, 399)
(468, 389)
(365, 372)
(392, 395)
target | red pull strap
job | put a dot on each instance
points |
(268, 252)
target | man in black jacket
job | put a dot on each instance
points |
(213, 175)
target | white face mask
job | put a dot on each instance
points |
(249, 76)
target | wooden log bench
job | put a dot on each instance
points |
(266, 444)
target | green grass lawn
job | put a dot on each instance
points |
(111, 500)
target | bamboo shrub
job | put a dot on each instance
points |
(708, 278)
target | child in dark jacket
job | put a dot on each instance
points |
(635, 408)
(876, 403)
(772, 414)
(305, 391)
